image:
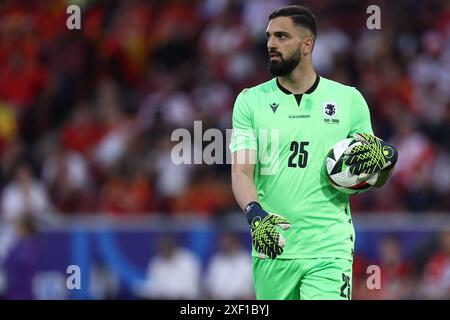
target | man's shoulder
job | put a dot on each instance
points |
(334, 85)
(262, 88)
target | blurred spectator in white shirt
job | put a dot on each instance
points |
(118, 126)
(24, 194)
(173, 273)
(229, 273)
(171, 178)
(69, 164)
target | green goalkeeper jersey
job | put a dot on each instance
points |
(292, 135)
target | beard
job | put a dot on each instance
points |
(283, 67)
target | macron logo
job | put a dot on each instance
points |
(274, 107)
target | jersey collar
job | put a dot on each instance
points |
(309, 91)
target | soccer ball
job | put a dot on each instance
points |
(339, 174)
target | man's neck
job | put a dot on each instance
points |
(299, 80)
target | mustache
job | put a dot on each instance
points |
(275, 52)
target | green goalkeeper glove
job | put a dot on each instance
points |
(266, 239)
(372, 156)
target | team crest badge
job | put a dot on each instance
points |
(330, 109)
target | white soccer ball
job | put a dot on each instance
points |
(339, 173)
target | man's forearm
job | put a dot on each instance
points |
(243, 188)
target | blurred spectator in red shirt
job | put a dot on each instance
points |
(21, 80)
(82, 132)
(359, 277)
(208, 195)
(125, 191)
(436, 276)
(69, 181)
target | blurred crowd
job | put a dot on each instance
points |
(393, 274)
(176, 272)
(86, 116)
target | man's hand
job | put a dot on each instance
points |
(266, 239)
(372, 156)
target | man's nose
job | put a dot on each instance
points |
(271, 44)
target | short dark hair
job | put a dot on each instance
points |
(300, 15)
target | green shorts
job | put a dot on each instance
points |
(302, 279)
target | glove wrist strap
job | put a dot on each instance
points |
(252, 210)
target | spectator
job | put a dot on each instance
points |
(229, 273)
(171, 179)
(173, 273)
(24, 194)
(126, 191)
(68, 180)
(118, 126)
(82, 132)
(436, 276)
(16, 152)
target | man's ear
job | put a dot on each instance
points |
(308, 45)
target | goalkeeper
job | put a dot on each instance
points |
(296, 118)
